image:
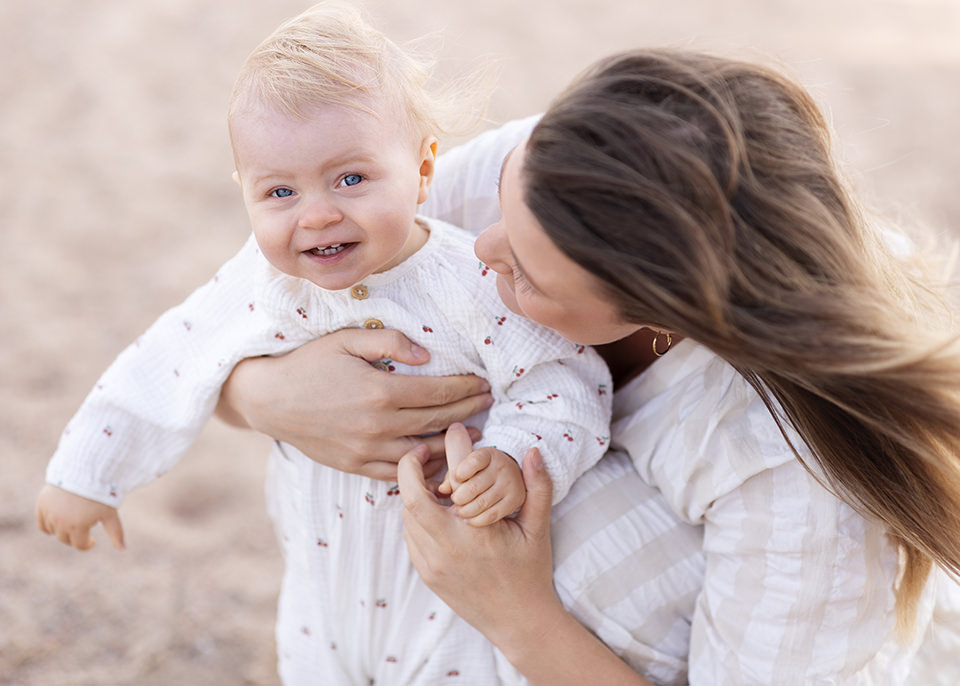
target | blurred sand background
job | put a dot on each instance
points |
(117, 202)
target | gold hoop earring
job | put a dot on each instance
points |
(669, 343)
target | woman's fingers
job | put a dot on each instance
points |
(373, 345)
(430, 392)
(406, 390)
(419, 500)
(420, 405)
(534, 515)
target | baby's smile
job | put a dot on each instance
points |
(330, 249)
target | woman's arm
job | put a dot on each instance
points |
(327, 400)
(499, 578)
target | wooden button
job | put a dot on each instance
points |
(373, 324)
(360, 292)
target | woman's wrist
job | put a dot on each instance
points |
(551, 648)
(519, 634)
(237, 392)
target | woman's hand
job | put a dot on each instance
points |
(327, 400)
(495, 577)
(499, 578)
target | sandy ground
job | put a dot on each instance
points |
(117, 202)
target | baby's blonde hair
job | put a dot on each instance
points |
(330, 55)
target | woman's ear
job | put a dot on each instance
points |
(428, 165)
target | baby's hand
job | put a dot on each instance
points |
(486, 486)
(70, 517)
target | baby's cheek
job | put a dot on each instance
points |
(275, 248)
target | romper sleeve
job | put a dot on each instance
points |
(552, 395)
(464, 192)
(153, 401)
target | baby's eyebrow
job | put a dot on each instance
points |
(260, 176)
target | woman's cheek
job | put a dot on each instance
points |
(508, 295)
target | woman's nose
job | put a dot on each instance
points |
(492, 249)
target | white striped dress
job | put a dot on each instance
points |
(703, 552)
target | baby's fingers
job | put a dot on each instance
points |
(114, 529)
(446, 486)
(473, 464)
(492, 514)
(491, 505)
(473, 490)
(484, 503)
(78, 537)
(82, 540)
(42, 521)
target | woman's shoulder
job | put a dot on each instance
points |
(464, 190)
(696, 429)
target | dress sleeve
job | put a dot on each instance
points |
(153, 401)
(464, 192)
(798, 587)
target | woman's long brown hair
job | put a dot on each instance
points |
(702, 191)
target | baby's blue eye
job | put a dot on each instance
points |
(281, 193)
(352, 179)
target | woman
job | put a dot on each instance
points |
(792, 417)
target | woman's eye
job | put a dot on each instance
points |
(520, 281)
(281, 193)
(351, 180)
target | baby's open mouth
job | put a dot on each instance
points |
(330, 249)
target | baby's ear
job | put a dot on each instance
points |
(428, 164)
(236, 177)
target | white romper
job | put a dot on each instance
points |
(352, 608)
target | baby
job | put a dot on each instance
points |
(335, 148)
